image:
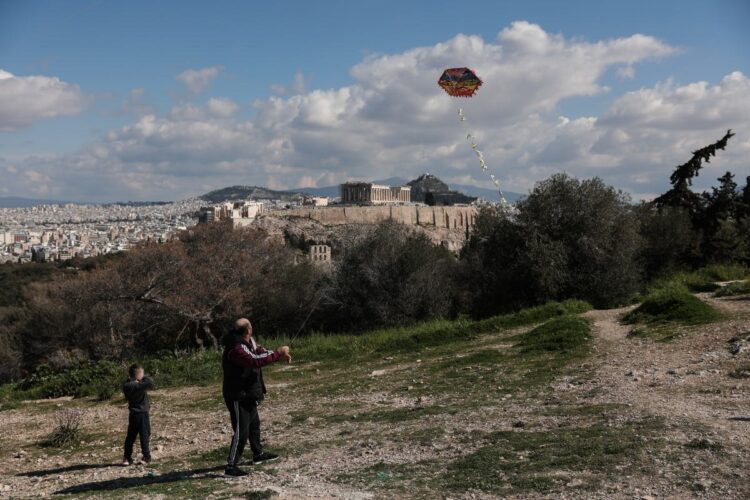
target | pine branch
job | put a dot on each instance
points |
(690, 169)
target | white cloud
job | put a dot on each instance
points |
(298, 86)
(222, 107)
(394, 120)
(693, 106)
(135, 103)
(25, 100)
(198, 80)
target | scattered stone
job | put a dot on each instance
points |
(519, 424)
(575, 483)
(703, 485)
(377, 373)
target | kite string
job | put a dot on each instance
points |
(480, 156)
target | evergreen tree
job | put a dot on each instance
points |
(681, 196)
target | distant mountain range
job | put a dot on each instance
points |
(262, 193)
(233, 193)
(236, 193)
(18, 202)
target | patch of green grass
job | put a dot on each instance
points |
(725, 272)
(568, 335)
(404, 414)
(659, 332)
(319, 347)
(395, 477)
(518, 462)
(734, 289)
(582, 410)
(673, 305)
(702, 280)
(537, 314)
(260, 494)
(703, 444)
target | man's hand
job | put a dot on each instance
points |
(284, 350)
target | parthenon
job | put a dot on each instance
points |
(369, 193)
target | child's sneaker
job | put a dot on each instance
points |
(234, 471)
(126, 462)
(144, 461)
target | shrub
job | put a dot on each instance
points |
(673, 304)
(87, 379)
(68, 430)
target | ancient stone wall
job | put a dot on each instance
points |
(454, 218)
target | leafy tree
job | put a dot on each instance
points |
(393, 276)
(569, 239)
(670, 241)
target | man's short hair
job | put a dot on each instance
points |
(133, 368)
(241, 325)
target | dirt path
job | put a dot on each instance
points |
(686, 382)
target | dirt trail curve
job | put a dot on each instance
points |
(685, 380)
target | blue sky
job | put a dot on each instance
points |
(118, 64)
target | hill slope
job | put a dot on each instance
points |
(547, 403)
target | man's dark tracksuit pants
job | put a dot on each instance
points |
(245, 425)
(138, 425)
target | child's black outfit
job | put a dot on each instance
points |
(138, 420)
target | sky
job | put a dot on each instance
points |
(164, 100)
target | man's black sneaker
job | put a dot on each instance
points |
(234, 471)
(265, 457)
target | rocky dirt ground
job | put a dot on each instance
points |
(635, 418)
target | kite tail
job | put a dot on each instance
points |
(482, 163)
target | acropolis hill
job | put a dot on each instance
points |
(447, 226)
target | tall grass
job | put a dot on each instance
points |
(702, 280)
(320, 347)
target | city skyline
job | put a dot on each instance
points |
(159, 102)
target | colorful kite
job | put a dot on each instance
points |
(460, 82)
(463, 82)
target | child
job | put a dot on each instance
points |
(138, 405)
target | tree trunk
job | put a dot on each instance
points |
(198, 340)
(210, 335)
